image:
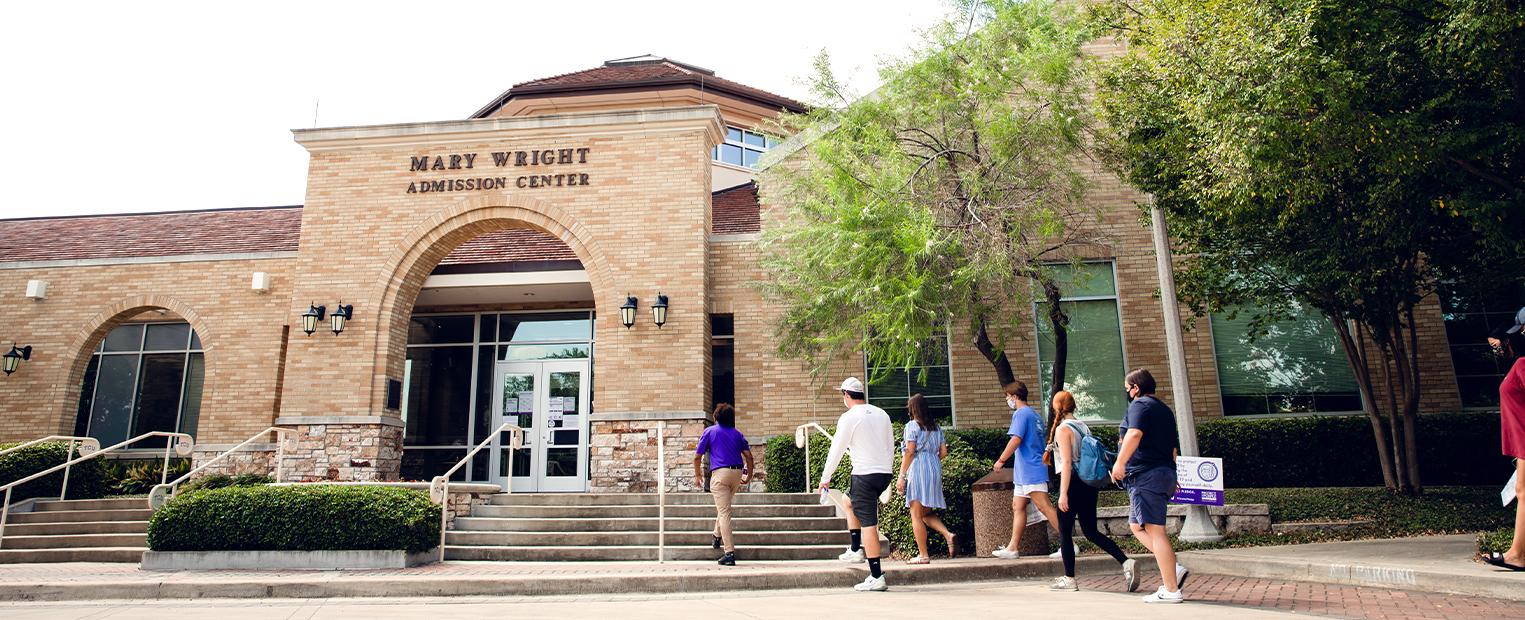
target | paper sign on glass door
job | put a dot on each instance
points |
(526, 402)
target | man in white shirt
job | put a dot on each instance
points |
(864, 433)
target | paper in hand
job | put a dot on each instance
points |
(1507, 494)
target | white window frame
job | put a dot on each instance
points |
(742, 144)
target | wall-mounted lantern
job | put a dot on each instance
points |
(341, 314)
(312, 316)
(15, 357)
(627, 312)
(659, 311)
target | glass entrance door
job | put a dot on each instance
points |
(549, 400)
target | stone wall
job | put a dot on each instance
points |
(348, 448)
(624, 455)
(256, 458)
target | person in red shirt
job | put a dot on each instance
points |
(1510, 345)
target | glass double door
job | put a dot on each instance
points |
(549, 400)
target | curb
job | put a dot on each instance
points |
(1500, 586)
(326, 584)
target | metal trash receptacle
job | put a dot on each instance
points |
(992, 518)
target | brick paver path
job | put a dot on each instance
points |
(1327, 600)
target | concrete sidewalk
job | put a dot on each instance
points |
(85, 581)
(1427, 563)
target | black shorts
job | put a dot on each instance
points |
(864, 494)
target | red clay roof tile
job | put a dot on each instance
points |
(634, 73)
(228, 231)
(734, 211)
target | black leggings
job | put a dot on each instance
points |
(1083, 508)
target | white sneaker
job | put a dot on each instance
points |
(1181, 574)
(1060, 553)
(1064, 584)
(853, 556)
(1002, 553)
(872, 584)
(1130, 574)
(1161, 596)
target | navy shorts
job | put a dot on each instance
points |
(1149, 493)
(864, 493)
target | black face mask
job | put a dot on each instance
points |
(1128, 394)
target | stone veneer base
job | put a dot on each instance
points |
(284, 560)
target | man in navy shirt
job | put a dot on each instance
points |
(1146, 463)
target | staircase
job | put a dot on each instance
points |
(623, 526)
(85, 530)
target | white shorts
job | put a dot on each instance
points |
(1025, 490)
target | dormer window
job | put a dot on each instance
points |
(743, 147)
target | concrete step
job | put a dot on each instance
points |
(639, 524)
(81, 516)
(626, 539)
(73, 541)
(125, 503)
(644, 499)
(610, 512)
(88, 527)
(79, 554)
(636, 553)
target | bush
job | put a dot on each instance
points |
(1441, 510)
(87, 480)
(961, 469)
(218, 481)
(296, 518)
(138, 477)
(1497, 541)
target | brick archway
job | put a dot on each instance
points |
(82, 345)
(403, 274)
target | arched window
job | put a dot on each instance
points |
(143, 377)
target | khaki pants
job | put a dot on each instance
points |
(723, 484)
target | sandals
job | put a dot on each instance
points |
(952, 540)
(1497, 559)
(920, 559)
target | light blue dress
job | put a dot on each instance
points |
(924, 482)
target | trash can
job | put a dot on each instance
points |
(992, 518)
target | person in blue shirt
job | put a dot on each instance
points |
(1030, 475)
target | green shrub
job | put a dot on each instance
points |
(312, 517)
(218, 481)
(1441, 510)
(138, 477)
(1497, 541)
(87, 479)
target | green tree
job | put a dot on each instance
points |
(1349, 155)
(948, 192)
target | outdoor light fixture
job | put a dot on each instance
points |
(311, 317)
(341, 314)
(15, 356)
(659, 310)
(627, 312)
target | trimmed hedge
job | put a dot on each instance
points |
(218, 481)
(297, 518)
(1316, 451)
(87, 480)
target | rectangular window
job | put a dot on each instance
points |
(1094, 361)
(1295, 366)
(1468, 322)
(722, 360)
(743, 147)
(932, 377)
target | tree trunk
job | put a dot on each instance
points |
(996, 358)
(1060, 322)
(1410, 362)
(1355, 355)
(1400, 460)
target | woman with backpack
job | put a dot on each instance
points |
(1077, 498)
(921, 477)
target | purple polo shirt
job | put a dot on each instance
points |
(724, 446)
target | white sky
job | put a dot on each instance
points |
(156, 106)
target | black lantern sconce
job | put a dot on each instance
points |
(15, 357)
(341, 314)
(659, 311)
(312, 317)
(627, 312)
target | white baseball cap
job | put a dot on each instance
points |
(852, 384)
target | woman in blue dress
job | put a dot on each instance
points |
(921, 477)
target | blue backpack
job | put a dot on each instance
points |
(1095, 462)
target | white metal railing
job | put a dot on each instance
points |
(439, 486)
(182, 446)
(802, 441)
(163, 492)
(661, 492)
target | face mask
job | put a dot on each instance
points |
(1011, 403)
(1128, 394)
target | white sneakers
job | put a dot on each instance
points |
(872, 584)
(1060, 553)
(1130, 574)
(1181, 574)
(1161, 596)
(1002, 553)
(1064, 584)
(853, 556)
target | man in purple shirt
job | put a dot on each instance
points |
(730, 469)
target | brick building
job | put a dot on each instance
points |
(488, 265)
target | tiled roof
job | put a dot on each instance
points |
(227, 231)
(734, 211)
(509, 246)
(638, 72)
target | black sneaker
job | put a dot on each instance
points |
(715, 544)
(728, 559)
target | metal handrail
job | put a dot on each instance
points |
(800, 441)
(162, 493)
(439, 486)
(182, 447)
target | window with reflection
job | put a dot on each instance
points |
(1094, 365)
(1291, 366)
(932, 377)
(143, 377)
(1469, 319)
(742, 147)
